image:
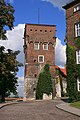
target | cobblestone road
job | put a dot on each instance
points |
(35, 110)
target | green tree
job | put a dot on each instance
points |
(44, 84)
(6, 18)
(8, 70)
(73, 71)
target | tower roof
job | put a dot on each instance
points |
(72, 3)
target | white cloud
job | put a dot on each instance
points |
(11, 1)
(60, 53)
(15, 40)
(20, 88)
(58, 3)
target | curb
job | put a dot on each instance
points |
(10, 103)
(67, 108)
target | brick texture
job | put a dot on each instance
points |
(41, 34)
(71, 19)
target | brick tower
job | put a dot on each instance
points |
(39, 49)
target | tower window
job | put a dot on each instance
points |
(36, 46)
(34, 60)
(77, 8)
(78, 84)
(45, 46)
(77, 29)
(78, 56)
(40, 30)
(35, 75)
(41, 58)
(30, 29)
(45, 30)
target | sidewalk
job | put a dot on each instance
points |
(7, 103)
(66, 107)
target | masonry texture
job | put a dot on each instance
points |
(40, 34)
(72, 17)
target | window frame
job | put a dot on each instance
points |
(76, 8)
(44, 46)
(39, 59)
(37, 46)
(78, 84)
(78, 56)
(77, 29)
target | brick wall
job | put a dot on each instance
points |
(41, 34)
(71, 19)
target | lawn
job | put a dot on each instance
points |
(75, 104)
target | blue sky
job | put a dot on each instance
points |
(26, 11)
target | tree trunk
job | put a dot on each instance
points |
(3, 98)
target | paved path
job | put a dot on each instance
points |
(66, 107)
(35, 110)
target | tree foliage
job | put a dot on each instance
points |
(8, 70)
(44, 84)
(73, 71)
(6, 18)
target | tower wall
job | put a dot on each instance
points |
(41, 34)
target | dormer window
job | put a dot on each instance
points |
(77, 8)
(36, 46)
(78, 56)
(77, 29)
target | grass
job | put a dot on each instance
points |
(76, 104)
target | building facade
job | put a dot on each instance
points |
(60, 82)
(39, 49)
(72, 21)
(73, 48)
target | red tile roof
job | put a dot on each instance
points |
(63, 70)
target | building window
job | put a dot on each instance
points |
(78, 56)
(30, 29)
(41, 58)
(45, 46)
(77, 29)
(40, 30)
(78, 84)
(35, 75)
(77, 8)
(45, 30)
(36, 46)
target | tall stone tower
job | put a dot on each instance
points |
(39, 49)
